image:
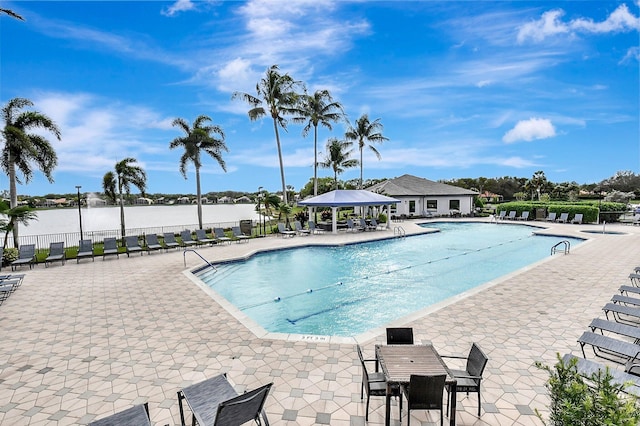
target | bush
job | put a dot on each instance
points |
(382, 218)
(326, 215)
(9, 255)
(588, 210)
(574, 402)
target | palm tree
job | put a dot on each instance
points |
(363, 132)
(200, 137)
(126, 174)
(11, 13)
(276, 95)
(22, 149)
(20, 214)
(318, 109)
(337, 157)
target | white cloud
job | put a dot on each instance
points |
(633, 54)
(178, 6)
(528, 130)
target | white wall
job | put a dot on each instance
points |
(466, 205)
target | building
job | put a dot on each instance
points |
(424, 197)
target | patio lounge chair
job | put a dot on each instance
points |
(56, 252)
(551, 217)
(588, 368)
(373, 383)
(512, 215)
(376, 225)
(137, 415)
(238, 235)
(110, 247)
(564, 217)
(132, 245)
(577, 219)
(502, 214)
(616, 328)
(400, 336)
(26, 256)
(152, 243)
(469, 379)
(625, 300)
(606, 347)
(220, 236)
(312, 227)
(203, 238)
(170, 240)
(351, 226)
(424, 393)
(623, 314)
(284, 232)
(524, 215)
(85, 249)
(299, 229)
(635, 279)
(215, 402)
(187, 241)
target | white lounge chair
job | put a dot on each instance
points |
(577, 219)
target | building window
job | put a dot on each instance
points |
(454, 204)
(412, 206)
(432, 204)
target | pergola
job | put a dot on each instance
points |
(348, 198)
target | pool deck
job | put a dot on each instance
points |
(83, 341)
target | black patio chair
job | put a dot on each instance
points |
(56, 252)
(110, 246)
(152, 243)
(137, 415)
(203, 238)
(187, 241)
(221, 236)
(85, 249)
(400, 336)
(469, 379)
(26, 256)
(170, 240)
(132, 245)
(424, 393)
(374, 384)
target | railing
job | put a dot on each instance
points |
(184, 257)
(399, 231)
(566, 247)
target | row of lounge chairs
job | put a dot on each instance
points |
(615, 338)
(8, 284)
(553, 217)
(297, 229)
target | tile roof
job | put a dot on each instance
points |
(408, 185)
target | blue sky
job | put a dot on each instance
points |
(463, 89)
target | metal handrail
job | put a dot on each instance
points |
(399, 231)
(184, 257)
(566, 247)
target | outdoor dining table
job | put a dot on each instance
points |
(399, 362)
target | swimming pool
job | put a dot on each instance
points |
(346, 290)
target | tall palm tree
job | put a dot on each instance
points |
(126, 174)
(15, 215)
(23, 149)
(276, 95)
(363, 132)
(338, 157)
(318, 109)
(10, 13)
(200, 137)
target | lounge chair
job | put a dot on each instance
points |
(214, 402)
(588, 368)
(629, 289)
(564, 217)
(625, 300)
(238, 235)
(400, 336)
(110, 247)
(312, 227)
(469, 379)
(152, 243)
(26, 256)
(56, 252)
(203, 238)
(635, 279)
(299, 229)
(374, 383)
(137, 415)
(623, 314)
(424, 393)
(606, 347)
(220, 236)
(376, 225)
(132, 245)
(351, 226)
(512, 215)
(524, 215)
(551, 217)
(284, 232)
(169, 240)
(577, 219)
(616, 328)
(502, 215)
(187, 241)
(85, 249)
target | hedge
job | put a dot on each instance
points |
(589, 212)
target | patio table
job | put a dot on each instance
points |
(399, 362)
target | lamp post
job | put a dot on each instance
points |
(259, 212)
(79, 211)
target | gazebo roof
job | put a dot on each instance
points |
(345, 197)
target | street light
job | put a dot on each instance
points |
(259, 212)
(79, 211)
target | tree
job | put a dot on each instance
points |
(10, 13)
(19, 214)
(22, 149)
(538, 182)
(363, 132)
(276, 95)
(199, 137)
(337, 157)
(126, 174)
(318, 109)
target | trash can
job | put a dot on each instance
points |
(246, 226)
(541, 213)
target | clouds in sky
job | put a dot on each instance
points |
(528, 130)
(177, 7)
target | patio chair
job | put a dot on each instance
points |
(375, 225)
(215, 402)
(238, 235)
(137, 415)
(152, 243)
(551, 217)
(187, 241)
(220, 236)
(502, 214)
(284, 232)
(623, 314)
(523, 216)
(469, 379)
(299, 229)
(132, 245)
(203, 238)
(110, 246)
(588, 368)
(26, 256)
(564, 217)
(85, 249)
(400, 336)
(169, 240)
(512, 215)
(351, 226)
(424, 393)
(606, 347)
(635, 279)
(374, 384)
(56, 252)
(625, 300)
(577, 219)
(615, 328)
(312, 227)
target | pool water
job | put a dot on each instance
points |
(346, 290)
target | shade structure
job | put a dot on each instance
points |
(347, 198)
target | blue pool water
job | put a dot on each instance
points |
(346, 290)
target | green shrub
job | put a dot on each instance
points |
(9, 255)
(574, 402)
(382, 218)
(589, 212)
